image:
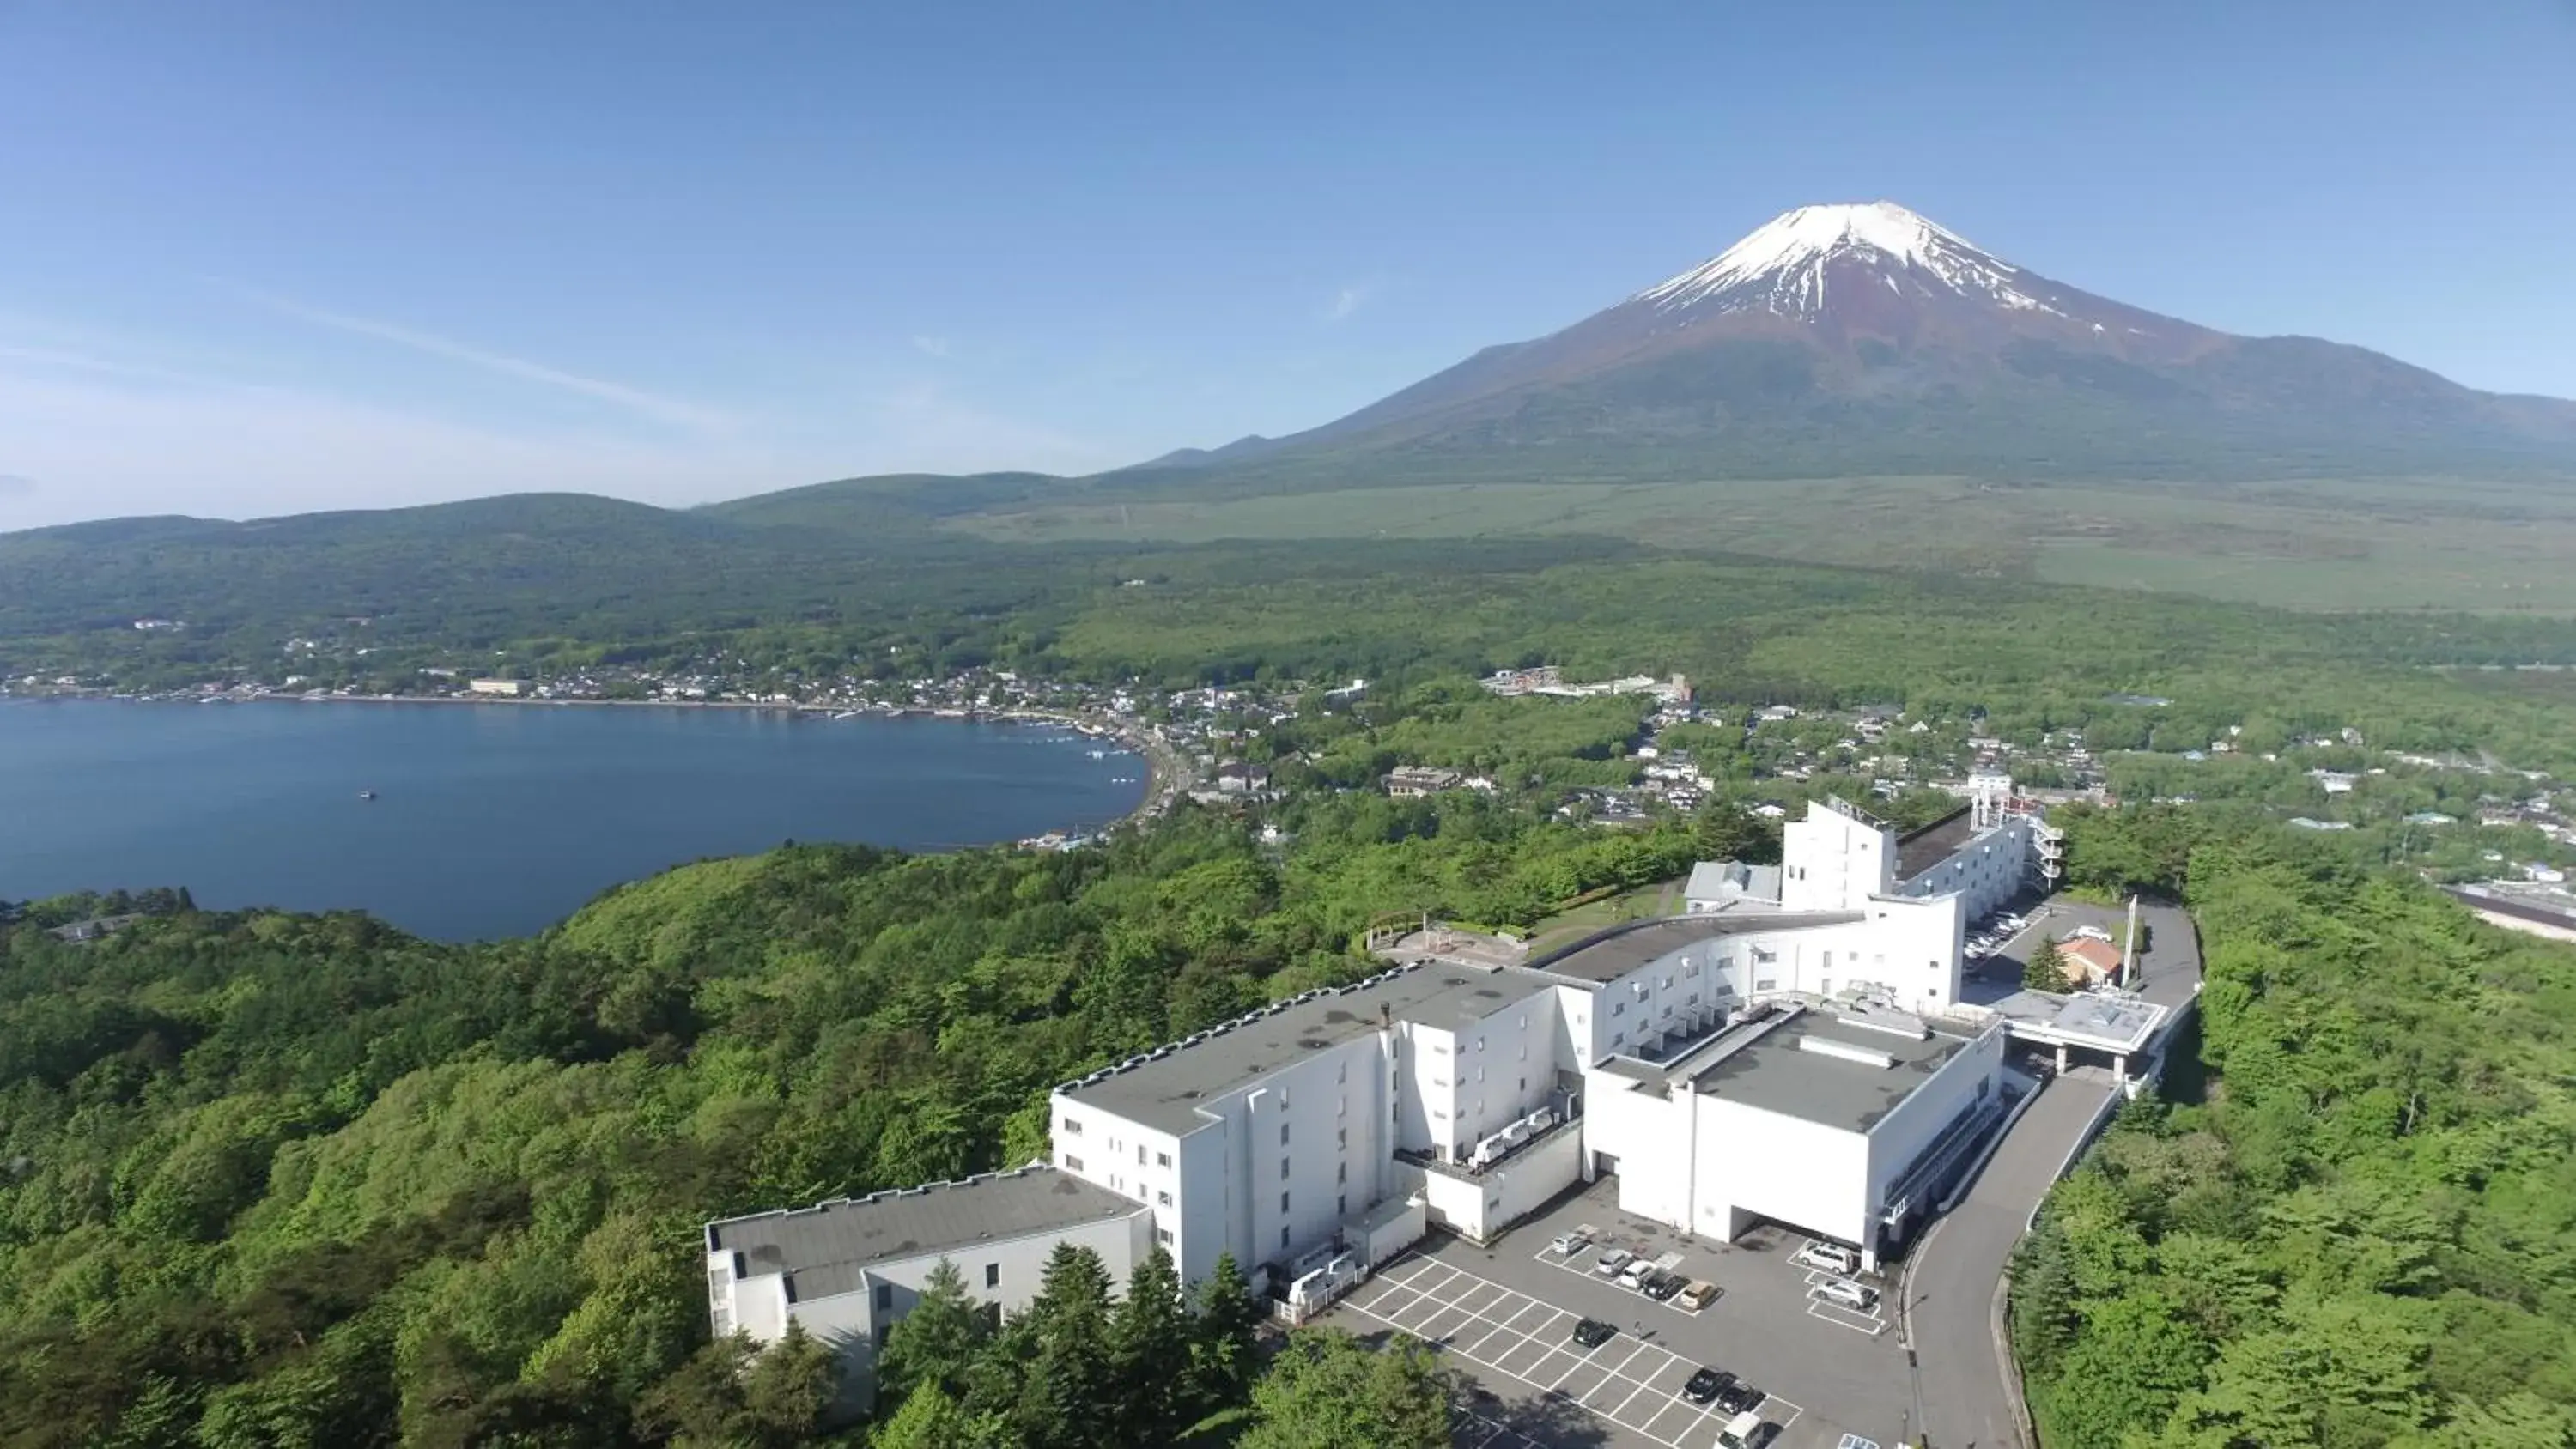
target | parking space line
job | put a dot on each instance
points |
(1615, 1374)
(1428, 1298)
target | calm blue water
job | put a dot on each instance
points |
(497, 820)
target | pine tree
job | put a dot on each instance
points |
(937, 1343)
(1069, 1396)
(2046, 968)
(1221, 1338)
(1149, 1345)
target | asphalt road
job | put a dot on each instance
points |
(1950, 1286)
(1950, 1292)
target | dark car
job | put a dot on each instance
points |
(1662, 1286)
(1592, 1332)
(1739, 1397)
(1706, 1384)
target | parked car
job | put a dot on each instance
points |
(1698, 1295)
(1831, 1257)
(1745, 1431)
(1661, 1286)
(1612, 1262)
(1735, 1396)
(1706, 1383)
(1592, 1332)
(1636, 1273)
(1569, 1244)
(1843, 1293)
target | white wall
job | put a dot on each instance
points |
(854, 1324)
(1909, 947)
(1833, 862)
(1964, 1083)
(1479, 1207)
(1988, 871)
(1225, 1181)
(1650, 1136)
(1768, 1164)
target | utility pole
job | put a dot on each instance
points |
(2129, 948)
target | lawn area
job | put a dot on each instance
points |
(1643, 903)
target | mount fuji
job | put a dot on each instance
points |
(1865, 339)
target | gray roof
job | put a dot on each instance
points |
(1776, 1074)
(1715, 880)
(825, 1249)
(1920, 850)
(1163, 1089)
(1611, 954)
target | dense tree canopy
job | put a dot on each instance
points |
(2365, 1235)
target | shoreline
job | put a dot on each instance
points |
(1159, 777)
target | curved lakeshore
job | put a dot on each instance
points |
(497, 822)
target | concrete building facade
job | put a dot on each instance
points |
(1802, 1059)
(849, 1269)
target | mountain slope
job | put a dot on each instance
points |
(1866, 339)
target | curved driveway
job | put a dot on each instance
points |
(1965, 1394)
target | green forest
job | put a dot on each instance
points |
(275, 1180)
(2352, 1223)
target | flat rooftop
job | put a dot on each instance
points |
(1920, 850)
(2112, 1023)
(1778, 1074)
(826, 1249)
(1163, 1091)
(1608, 955)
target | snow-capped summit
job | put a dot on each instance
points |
(1789, 265)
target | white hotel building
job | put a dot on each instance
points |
(1792, 1059)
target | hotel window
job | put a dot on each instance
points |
(1283, 1169)
(992, 1275)
(1283, 1202)
(1140, 1154)
(885, 1297)
(1073, 1164)
(1342, 1170)
(1162, 1159)
(1072, 1128)
(1162, 1199)
(1163, 1236)
(1283, 1237)
(1283, 1134)
(1342, 1206)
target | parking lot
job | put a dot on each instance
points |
(1633, 1384)
(1504, 1316)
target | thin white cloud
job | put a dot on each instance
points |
(938, 347)
(636, 400)
(1346, 302)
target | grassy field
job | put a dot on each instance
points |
(2410, 543)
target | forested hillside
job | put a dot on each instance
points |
(288, 1181)
(2359, 1228)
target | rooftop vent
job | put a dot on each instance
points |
(1846, 1052)
(1894, 1023)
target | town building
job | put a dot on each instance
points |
(506, 688)
(1406, 782)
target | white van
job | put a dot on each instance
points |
(1830, 1257)
(1744, 1431)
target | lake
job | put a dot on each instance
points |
(498, 820)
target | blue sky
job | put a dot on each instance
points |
(268, 255)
